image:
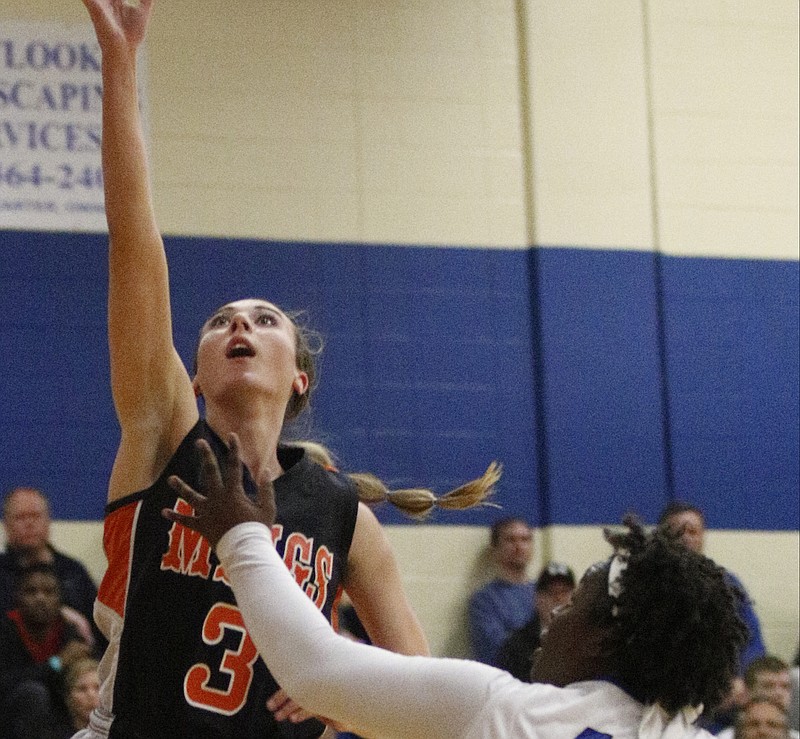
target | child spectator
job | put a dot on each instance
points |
(36, 644)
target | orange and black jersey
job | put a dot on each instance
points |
(185, 665)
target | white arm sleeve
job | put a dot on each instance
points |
(370, 690)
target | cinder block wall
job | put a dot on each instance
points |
(593, 125)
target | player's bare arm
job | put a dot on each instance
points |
(151, 389)
(376, 589)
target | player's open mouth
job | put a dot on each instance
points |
(239, 348)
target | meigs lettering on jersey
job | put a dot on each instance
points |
(185, 663)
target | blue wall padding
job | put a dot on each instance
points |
(599, 350)
(439, 360)
(732, 337)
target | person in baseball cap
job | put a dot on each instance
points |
(554, 587)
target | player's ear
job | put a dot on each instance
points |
(300, 383)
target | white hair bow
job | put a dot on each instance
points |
(619, 563)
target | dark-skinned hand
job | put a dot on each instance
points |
(222, 503)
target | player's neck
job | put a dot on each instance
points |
(258, 439)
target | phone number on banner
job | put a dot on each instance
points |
(60, 177)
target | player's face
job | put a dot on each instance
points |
(39, 599)
(248, 343)
(572, 646)
(27, 520)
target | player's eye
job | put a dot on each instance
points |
(266, 319)
(221, 319)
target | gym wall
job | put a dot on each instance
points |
(562, 235)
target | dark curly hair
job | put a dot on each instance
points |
(676, 634)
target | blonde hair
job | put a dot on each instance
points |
(78, 669)
(418, 503)
(70, 678)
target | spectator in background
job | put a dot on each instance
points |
(36, 644)
(506, 603)
(761, 718)
(767, 677)
(689, 523)
(26, 519)
(80, 695)
(794, 705)
(554, 588)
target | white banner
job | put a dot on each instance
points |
(50, 128)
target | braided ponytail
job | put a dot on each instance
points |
(418, 503)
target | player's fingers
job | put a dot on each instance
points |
(277, 700)
(188, 493)
(209, 468)
(290, 711)
(233, 471)
(266, 501)
(285, 709)
(299, 715)
(171, 515)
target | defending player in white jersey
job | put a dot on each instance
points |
(650, 636)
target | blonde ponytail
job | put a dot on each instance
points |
(417, 503)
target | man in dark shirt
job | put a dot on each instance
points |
(26, 519)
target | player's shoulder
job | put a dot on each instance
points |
(302, 470)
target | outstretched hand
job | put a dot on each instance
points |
(223, 503)
(120, 22)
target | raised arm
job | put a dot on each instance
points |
(375, 588)
(151, 388)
